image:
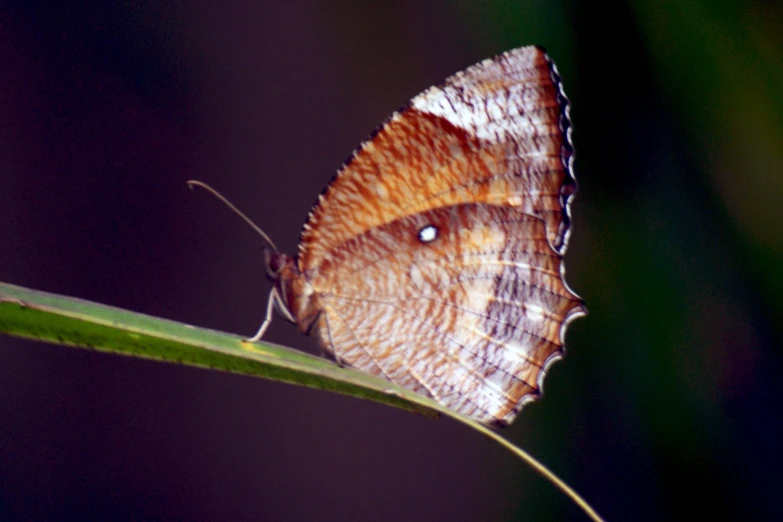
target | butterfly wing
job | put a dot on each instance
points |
(435, 254)
(497, 132)
(471, 314)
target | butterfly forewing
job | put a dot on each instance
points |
(494, 133)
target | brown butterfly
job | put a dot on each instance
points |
(434, 257)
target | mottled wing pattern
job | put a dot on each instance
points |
(497, 132)
(471, 318)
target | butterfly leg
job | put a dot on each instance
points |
(267, 320)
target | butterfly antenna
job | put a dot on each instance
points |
(192, 184)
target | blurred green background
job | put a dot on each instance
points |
(668, 404)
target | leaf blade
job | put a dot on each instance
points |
(47, 317)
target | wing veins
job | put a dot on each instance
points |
(480, 377)
(388, 303)
(451, 305)
(459, 362)
(488, 276)
(358, 340)
(447, 259)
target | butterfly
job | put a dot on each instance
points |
(434, 257)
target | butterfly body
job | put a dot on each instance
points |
(434, 257)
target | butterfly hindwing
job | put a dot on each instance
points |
(470, 314)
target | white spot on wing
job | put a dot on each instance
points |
(428, 234)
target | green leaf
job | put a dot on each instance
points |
(69, 321)
(75, 322)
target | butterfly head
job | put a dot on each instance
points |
(275, 263)
(292, 293)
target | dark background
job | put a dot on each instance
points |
(668, 405)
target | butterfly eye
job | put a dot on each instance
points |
(428, 234)
(274, 263)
